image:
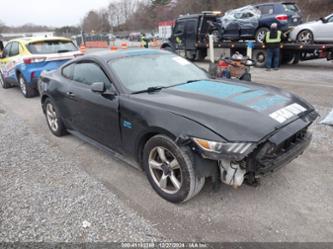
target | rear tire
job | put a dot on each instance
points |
(170, 170)
(4, 84)
(26, 89)
(260, 34)
(53, 119)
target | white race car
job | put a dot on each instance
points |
(316, 31)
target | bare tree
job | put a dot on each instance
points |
(96, 22)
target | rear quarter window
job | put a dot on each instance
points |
(68, 71)
(290, 7)
(266, 9)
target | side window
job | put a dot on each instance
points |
(179, 29)
(88, 73)
(68, 71)
(330, 19)
(247, 15)
(7, 49)
(15, 49)
(238, 15)
(266, 9)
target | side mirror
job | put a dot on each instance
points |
(98, 87)
(323, 20)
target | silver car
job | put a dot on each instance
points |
(316, 31)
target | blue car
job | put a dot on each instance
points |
(253, 21)
(23, 60)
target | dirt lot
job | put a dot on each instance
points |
(294, 204)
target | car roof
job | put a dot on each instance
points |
(107, 55)
(188, 16)
(27, 40)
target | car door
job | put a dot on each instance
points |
(177, 37)
(95, 115)
(190, 34)
(4, 60)
(248, 23)
(323, 31)
(11, 57)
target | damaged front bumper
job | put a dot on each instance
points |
(266, 159)
(265, 164)
(266, 156)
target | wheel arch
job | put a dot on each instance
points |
(304, 29)
(18, 72)
(144, 138)
(43, 98)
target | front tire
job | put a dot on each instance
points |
(4, 84)
(26, 89)
(53, 119)
(170, 170)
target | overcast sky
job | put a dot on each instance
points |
(47, 12)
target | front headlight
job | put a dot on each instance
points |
(225, 148)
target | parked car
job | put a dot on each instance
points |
(253, 21)
(23, 60)
(179, 125)
(317, 31)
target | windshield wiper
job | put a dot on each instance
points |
(150, 89)
(187, 82)
(191, 81)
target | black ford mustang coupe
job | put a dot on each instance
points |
(175, 122)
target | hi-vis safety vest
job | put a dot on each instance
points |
(273, 40)
(178, 40)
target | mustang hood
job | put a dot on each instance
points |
(233, 110)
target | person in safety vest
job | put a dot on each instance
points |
(273, 41)
(144, 41)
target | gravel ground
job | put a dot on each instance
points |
(47, 198)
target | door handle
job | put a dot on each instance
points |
(70, 94)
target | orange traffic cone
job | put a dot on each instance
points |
(114, 48)
(83, 48)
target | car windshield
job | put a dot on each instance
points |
(290, 7)
(138, 73)
(51, 47)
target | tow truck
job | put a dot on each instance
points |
(192, 39)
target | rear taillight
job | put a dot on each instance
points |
(33, 60)
(282, 18)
